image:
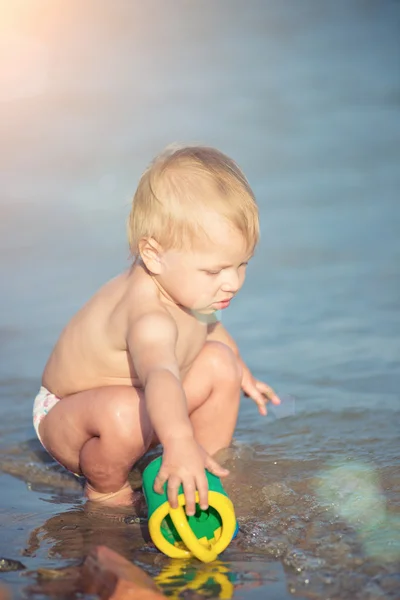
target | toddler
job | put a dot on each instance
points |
(145, 361)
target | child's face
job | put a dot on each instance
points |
(208, 276)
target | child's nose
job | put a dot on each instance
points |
(231, 282)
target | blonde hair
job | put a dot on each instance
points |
(176, 187)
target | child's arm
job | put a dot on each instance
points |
(151, 342)
(257, 390)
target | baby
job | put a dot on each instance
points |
(145, 361)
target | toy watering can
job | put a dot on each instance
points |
(204, 535)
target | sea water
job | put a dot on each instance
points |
(306, 97)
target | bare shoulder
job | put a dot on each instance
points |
(147, 317)
(151, 333)
(153, 325)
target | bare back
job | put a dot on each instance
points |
(92, 349)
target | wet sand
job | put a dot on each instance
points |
(304, 530)
(55, 536)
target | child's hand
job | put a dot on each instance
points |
(184, 461)
(258, 391)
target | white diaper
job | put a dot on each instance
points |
(43, 403)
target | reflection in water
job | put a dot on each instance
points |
(219, 579)
(213, 580)
(71, 534)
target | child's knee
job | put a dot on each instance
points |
(225, 364)
(127, 422)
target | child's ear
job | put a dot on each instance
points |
(150, 253)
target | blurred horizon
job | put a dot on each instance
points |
(93, 90)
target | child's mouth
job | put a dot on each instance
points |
(222, 304)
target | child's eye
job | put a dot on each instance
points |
(213, 272)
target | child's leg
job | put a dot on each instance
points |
(100, 433)
(212, 388)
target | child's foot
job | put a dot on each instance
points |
(122, 497)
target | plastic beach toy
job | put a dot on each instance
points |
(204, 535)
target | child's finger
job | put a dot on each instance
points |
(189, 489)
(215, 467)
(202, 488)
(159, 482)
(259, 399)
(268, 391)
(172, 491)
(262, 409)
(256, 395)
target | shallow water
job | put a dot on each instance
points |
(306, 96)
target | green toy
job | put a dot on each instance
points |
(205, 534)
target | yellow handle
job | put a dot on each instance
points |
(206, 552)
(179, 519)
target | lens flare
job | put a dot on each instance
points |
(353, 493)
